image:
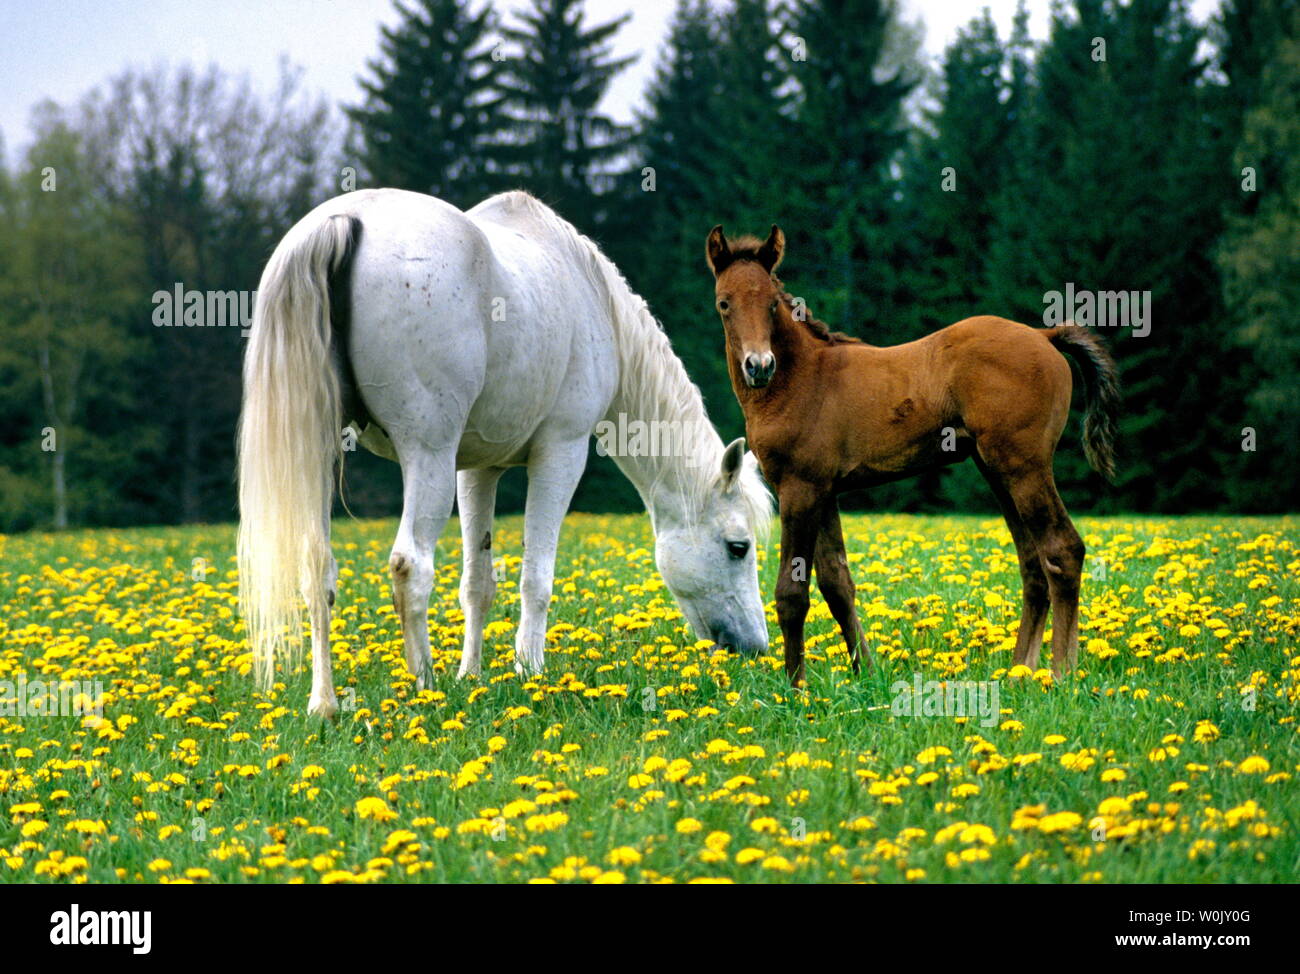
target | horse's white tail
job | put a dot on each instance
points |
(289, 440)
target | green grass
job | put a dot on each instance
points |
(1174, 749)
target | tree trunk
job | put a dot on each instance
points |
(59, 486)
(60, 491)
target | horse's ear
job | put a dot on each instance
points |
(733, 461)
(717, 251)
(773, 249)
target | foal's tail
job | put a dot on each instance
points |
(289, 438)
(1101, 380)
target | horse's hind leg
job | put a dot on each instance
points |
(1035, 599)
(320, 595)
(428, 488)
(1061, 551)
(476, 492)
(836, 582)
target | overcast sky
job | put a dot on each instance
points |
(62, 48)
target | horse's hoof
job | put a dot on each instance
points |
(465, 671)
(324, 709)
(527, 669)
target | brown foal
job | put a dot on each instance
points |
(825, 413)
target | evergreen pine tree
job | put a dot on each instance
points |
(1259, 256)
(953, 179)
(562, 147)
(748, 143)
(432, 109)
(715, 66)
(1117, 185)
(849, 127)
(678, 127)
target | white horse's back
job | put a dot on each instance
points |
(483, 317)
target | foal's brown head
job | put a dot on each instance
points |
(750, 299)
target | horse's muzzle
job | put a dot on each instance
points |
(737, 645)
(759, 369)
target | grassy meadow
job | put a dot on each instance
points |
(642, 756)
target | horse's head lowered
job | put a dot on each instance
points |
(708, 557)
(749, 299)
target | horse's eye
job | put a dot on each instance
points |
(738, 549)
(723, 306)
(772, 310)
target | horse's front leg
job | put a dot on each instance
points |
(554, 469)
(476, 495)
(800, 504)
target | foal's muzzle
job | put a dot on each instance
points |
(759, 369)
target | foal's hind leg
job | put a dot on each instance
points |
(428, 488)
(1034, 591)
(836, 583)
(1061, 551)
(476, 492)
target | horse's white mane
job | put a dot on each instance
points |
(653, 384)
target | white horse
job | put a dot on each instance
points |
(460, 344)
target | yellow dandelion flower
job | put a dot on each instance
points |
(374, 808)
(1254, 765)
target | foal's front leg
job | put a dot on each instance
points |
(836, 582)
(799, 528)
(554, 470)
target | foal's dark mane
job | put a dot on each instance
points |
(747, 248)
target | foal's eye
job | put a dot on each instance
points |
(772, 310)
(723, 306)
(738, 549)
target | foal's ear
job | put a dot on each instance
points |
(733, 461)
(773, 249)
(717, 252)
